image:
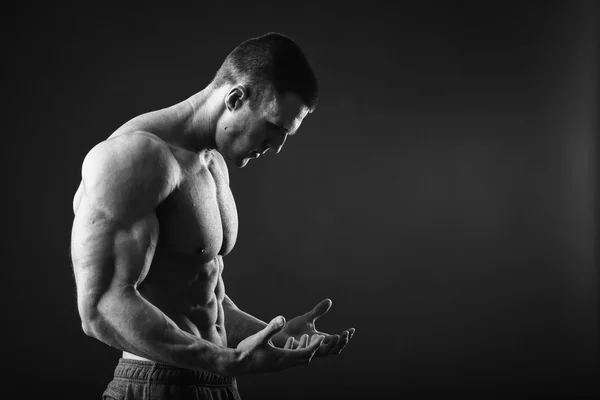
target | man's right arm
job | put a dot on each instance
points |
(115, 231)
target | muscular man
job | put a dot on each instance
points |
(154, 217)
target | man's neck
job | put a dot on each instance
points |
(202, 112)
(192, 123)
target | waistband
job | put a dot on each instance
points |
(153, 372)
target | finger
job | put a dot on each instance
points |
(272, 328)
(341, 343)
(295, 344)
(320, 309)
(318, 336)
(304, 353)
(303, 341)
(351, 331)
(331, 338)
(328, 344)
(289, 343)
(315, 343)
(302, 356)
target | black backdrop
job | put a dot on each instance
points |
(442, 195)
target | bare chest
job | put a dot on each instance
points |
(199, 219)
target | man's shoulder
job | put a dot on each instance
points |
(132, 147)
(129, 174)
(136, 153)
(138, 139)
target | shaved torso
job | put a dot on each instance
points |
(197, 226)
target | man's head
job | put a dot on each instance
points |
(270, 89)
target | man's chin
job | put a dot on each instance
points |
(238, 162)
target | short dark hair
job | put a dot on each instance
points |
(272, 60)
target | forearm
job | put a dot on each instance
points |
(125, 320)
(239, 324)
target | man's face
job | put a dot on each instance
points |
(248, 133)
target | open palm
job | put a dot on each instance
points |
(298, 331)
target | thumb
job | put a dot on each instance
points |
(320, 309)
(272, 328)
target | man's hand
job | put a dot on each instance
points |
(297, 331)
(256, 353)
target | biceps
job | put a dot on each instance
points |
(107, 253)
(134, 248)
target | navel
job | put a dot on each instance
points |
(200, 250)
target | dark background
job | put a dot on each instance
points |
(442, 194)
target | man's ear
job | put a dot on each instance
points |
(236, 97)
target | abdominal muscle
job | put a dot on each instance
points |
(191, 296)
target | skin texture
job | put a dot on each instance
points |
(154, 219)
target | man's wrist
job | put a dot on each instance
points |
(230, 362)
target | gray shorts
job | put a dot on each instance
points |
(145, 380)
